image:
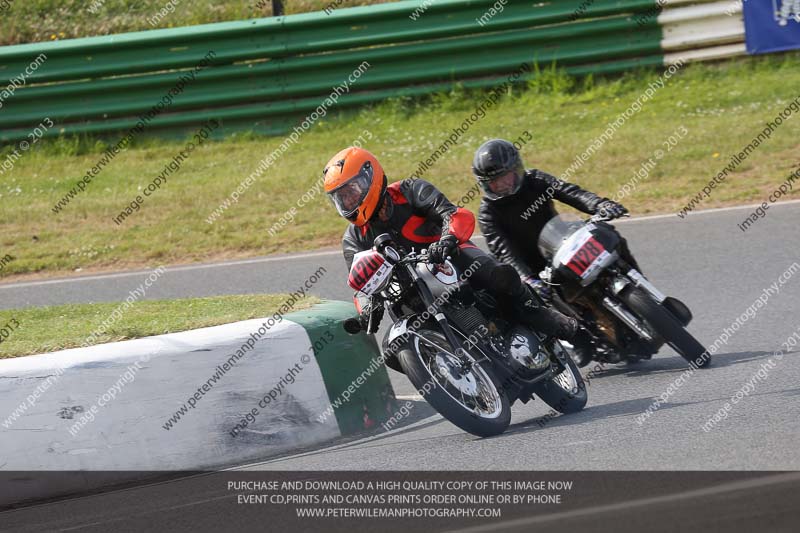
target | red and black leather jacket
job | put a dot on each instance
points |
(420, 215)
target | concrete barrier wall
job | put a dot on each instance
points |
(195, 400)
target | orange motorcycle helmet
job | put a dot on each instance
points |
(355, 183)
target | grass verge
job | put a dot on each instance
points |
(28, 21)
(722, 106)
(52, 328)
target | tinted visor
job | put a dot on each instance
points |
(349, 196)
(503, 185)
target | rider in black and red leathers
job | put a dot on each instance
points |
(417, 215)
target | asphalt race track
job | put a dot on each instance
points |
(719, 272)
(705, 260)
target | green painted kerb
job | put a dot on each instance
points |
(343, 359)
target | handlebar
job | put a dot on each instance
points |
(603, 218)
(415, 257)
(384, 240)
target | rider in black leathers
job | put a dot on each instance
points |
(516, 205)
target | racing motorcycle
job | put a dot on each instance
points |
(628, 316)
(466, 360)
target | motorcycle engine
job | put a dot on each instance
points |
(526, 352)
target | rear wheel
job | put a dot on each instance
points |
(462, 390)
(566, 391)
(666, 325)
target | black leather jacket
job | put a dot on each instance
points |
(512, 224)
(420, 215)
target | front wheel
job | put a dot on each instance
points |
(666, 325)
(466, 395)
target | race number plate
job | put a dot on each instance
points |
(587, 258)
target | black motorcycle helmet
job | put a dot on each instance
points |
(498, 168)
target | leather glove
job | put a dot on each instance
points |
(444, 247)
(611, 209)
(539, 287)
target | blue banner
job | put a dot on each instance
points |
(771, 25)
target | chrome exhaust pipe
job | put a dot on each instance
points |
(645, 284)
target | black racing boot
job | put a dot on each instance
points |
(531, 311)
(519, 302)
(547, 320)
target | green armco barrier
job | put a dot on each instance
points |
(268, 74)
